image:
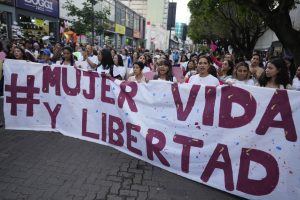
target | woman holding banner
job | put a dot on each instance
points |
(138, 73)
(107, 63)
(68, 57)
(165, 72)
(204, 77)
(276, 75)
(119, 70)
(241, 75)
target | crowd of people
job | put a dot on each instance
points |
(131, 65)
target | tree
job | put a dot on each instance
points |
(276, 16)
(87, 20)
(225, 19)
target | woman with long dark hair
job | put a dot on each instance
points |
(289, 61)
(241, 75)
(135, 56)
(165, 72)
(113, 52)
(19, 53)
(184, 62)
(204, 76)
(276, 75)
(227, 69)
(107, 63)
(190, 70)
(68, 57)
(119, 70)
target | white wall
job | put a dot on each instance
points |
(158, 35)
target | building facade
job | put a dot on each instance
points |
(156, 14)
(7, 17)
(139, 6)
(31, 19)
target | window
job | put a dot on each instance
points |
(129, 18)
(136, 26)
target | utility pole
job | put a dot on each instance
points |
(171, 19)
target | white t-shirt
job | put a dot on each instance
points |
(119, 71)
(125, 60)
(184, 65)
(237, 82)
(76, 63)
(208, 80)
(100, 70)
(146, 69)
(190, 73)
(174, 79)
(296, 84)
(85, 65)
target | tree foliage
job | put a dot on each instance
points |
(276, 14)
(85, 16)
(212, 19)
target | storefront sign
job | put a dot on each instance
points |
(136, 34)
(120, 29)
(8, 2)
(47, 7)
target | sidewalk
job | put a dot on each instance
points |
(43, 165)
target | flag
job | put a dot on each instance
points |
(212, 46)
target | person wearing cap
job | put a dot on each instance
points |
(46, 57)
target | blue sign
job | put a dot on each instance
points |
(46, 7)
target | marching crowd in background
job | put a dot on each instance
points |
(173, 66)
(176, 66)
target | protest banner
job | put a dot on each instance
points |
(242, 140)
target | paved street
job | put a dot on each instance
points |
(43, 165)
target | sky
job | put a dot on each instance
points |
(182, 11)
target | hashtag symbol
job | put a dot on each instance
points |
(29, 90)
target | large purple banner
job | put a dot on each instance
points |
(47, 7)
